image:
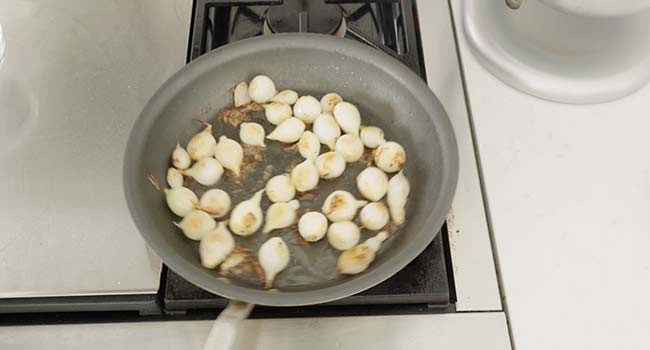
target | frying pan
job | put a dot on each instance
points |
(388, 95)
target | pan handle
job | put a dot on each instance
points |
(224, 332)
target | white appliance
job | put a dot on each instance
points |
(563, 50)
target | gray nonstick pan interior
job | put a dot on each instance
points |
(388, 95)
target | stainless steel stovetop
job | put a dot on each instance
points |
(67, 241)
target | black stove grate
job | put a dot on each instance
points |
(388, 25)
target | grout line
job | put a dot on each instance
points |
(495, 254)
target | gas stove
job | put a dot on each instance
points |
(389, 26)
(87, 275)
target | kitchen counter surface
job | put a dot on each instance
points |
(568, 194)
(74, 79)
(444, 331)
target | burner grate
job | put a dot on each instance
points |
(387, 25)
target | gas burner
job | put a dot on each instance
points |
(313, 16)
(387, 25)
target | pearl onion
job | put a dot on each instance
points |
(215, 202)
(174, 177)
(305, 176)
(329, 101)
(308, 145)
(261, 89)
(327, 130)
(307, 108)
(206, 171)
(252, 134)
(246, 217)
(348, 117)
(181, 200)
(341, 206)
(215, 246)
(277, 112)
(374, 216)
(196, 224)
(343, 235)
(312, 226)
(280, 188)
(390, 157)
(180, 158)
(350, 147)
(202, 145)
(274, 257)
(372, 136)
(240, 95)
(330, 165)
(286, 96)
(280, 215)
(398, 192)
(230, 154)
(289, 131)
(358, 258)
(372, 183)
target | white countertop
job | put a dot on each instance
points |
(74, 79)
(475, 278)
(442, 331)
(568, 193)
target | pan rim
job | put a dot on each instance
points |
(395, 69)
